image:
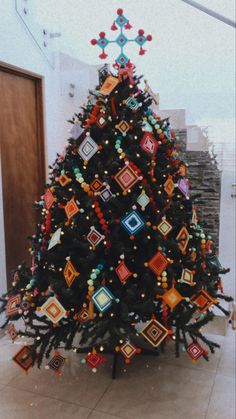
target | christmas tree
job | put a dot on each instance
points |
(119, 254)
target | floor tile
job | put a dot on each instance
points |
(165, 391)
(8, 369)
(227, 360)
(77, 384)
(20, 404)
(222, 401)
(101, 415)
(168, 356)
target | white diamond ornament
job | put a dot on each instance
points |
(55, 239)
(87, 148)
(76, 131)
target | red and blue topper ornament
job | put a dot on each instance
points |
(121, 23)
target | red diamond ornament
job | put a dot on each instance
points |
(94, 360)
(195, 351)
(123, 272)
(158, 263)
(126, 177)
(49, 198)
(183, 239)
(23, 359)
(149, 143)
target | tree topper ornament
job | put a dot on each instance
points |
(122, 23)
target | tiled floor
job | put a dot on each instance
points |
(150, 388)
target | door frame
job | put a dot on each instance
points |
(40, 128)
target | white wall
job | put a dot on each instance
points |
(19, 49)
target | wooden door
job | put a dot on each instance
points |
(22, 159)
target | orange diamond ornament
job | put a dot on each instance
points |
(172, 297)
(109, 84)
(203, 301)
(53, 309)
(123, 127)
(96, 185)
(63, 180)
(71, 208)
(70, 273)
(169, 186)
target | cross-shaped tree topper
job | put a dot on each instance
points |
(121, 23)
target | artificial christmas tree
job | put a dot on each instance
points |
(119, 242)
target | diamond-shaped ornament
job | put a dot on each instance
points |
(187, 277)
(102, 298)
(169, 186)
(23, 358)
(164, 227)
(12, 332)
(13, 305)
(53, 309)
(183, 186)
(203, 301)
(158, 263)
(96, 185)
(94, 237)
(121, 20)
(121, 40)
(101, 120)
(132, 103)
(126, 177)
(154, 332)
(76, 131)
(140, 39)
(56, 362)
(122, 59)
(183, 239)
(195, 351)
(87, 148)
(94, 359)
(128, 350)
(123, 127)
(109, 84)
(132, 223)
(102, 42)
(172, 297)
(63, 180)
(82, 315)
(123, 272)
(49, 198)
(194, 216)
(106, 194)
(70, 273)
(143, 200)
(71, 208)
(55, 239)
(149, 143)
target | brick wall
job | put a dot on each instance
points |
(205, 179)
